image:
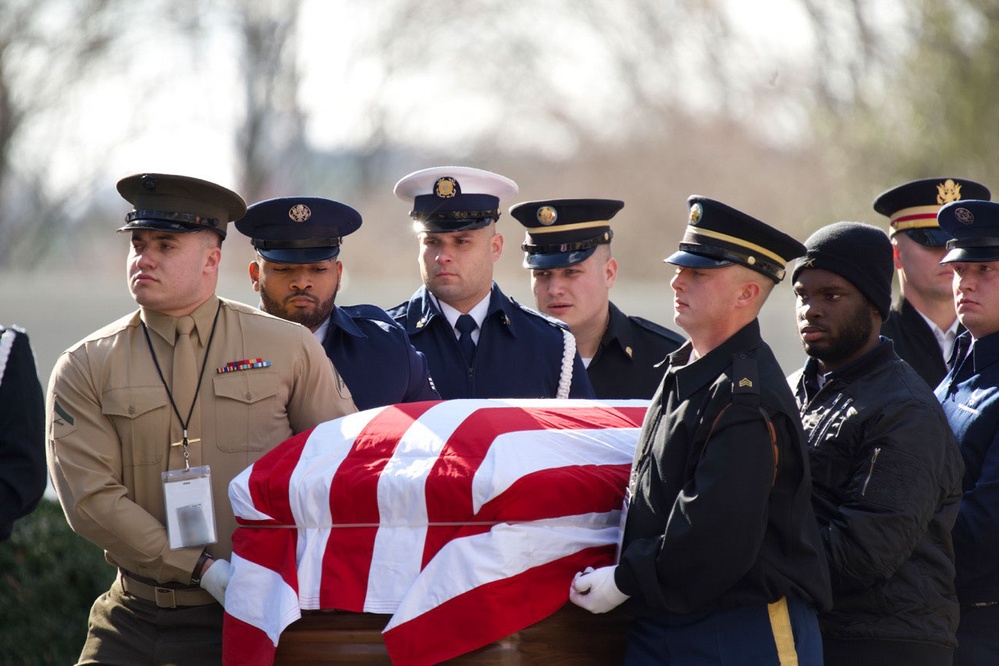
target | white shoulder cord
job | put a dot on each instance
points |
(568, 356)
(6, 344)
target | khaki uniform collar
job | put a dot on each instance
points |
(166, 326)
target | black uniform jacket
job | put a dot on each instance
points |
(520, 352)
(720, 513)
(22, 430)
(630, 361)
(915, 343)
(886, 476)
(373, 355)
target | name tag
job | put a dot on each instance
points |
(189, 508)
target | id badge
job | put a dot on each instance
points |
(189, 508)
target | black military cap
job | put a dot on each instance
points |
(973, 227)
(298, 230)
(454, 198)
(719, 235)
(180, 204)
(912, 207)
(563, 232)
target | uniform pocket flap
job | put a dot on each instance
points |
(133, 401)
(248, 386)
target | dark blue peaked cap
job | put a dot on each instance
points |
(298, 230)
(974, 230)
(564, 232)
(912, 207)
(718, 235)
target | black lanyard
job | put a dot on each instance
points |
(184, 423)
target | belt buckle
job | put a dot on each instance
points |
(165, 598)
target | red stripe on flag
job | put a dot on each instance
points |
(490, 612)
(271, 476)
(452, 475)
(354, 499)
(245, 645)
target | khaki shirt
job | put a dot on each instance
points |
(110, 424)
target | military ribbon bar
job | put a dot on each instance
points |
(245, 364)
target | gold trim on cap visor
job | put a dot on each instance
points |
(916, 217)
(700, 231)
(534, 231)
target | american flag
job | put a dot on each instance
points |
(464, 519)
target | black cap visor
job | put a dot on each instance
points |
(551, 260)
(971, 254)
(928, 237)
(692, 260)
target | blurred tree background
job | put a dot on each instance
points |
(799, 111)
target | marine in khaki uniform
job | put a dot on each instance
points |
(136, 399)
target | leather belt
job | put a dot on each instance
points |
(164, 597)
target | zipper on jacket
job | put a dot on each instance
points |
(870, 470)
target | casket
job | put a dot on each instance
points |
(570, 636)
(445, 530)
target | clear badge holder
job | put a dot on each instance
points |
(190, 512)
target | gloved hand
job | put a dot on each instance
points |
(596, 590)
(216, 578)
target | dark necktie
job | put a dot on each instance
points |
(465, 325)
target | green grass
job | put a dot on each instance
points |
(49, 578)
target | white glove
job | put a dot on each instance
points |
(216, 578)
(596, 591)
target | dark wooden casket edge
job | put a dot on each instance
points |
(571, 635)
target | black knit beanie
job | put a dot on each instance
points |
(859, 252)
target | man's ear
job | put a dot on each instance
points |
(254, 269)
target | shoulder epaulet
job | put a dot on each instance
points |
(368, 311)
(398, 312)
(557, 323)
(657, 329)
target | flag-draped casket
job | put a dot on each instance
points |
(463, 519)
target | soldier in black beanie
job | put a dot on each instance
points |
(886, 471)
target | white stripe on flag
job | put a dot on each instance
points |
(402, 503)
(272, 606)
(507, 461)
(505, 551)
(309, 489)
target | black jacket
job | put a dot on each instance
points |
(711, 523)
(915, 343)
(631, 359)
(886, 474)
(22, 430)
(373, 355)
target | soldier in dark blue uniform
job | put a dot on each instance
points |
(22, 430)
(721, 560)
(572, 271)
(922, 323)
(298, 275)
(970, 398)
(479, 343)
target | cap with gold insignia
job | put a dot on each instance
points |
(563, 232)
(912, 207)
(180, 204)
(298, 230)
(718, 235)
(973, 228)
(454, 198)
